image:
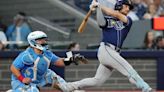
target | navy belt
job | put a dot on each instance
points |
(112, 46)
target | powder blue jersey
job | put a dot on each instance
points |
(25, 63)
(115, 31)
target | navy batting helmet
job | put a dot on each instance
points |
(119, 4)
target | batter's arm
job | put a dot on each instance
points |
(114, 13)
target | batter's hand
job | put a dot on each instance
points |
(26, 80)
(93, 5)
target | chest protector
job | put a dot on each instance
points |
(36, 66)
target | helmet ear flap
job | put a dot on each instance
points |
(118, 5)
(32, 43)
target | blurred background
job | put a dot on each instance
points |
(60, 19)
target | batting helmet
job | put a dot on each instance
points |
(119, 4)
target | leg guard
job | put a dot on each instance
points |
(17, 86)
(27, 88)
(52, 77)
(56, 81)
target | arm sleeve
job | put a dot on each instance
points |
(18, 62)
(54, 58)
(100, 17)
(106, 23)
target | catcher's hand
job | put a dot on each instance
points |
(77, 58)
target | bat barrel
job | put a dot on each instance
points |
(84, 22)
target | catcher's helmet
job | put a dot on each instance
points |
(33, 36)
(119, 4)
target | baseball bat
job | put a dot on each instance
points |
(84, 22)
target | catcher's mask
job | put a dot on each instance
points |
(33, 36)
(119, 4)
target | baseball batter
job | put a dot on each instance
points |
(114, 31)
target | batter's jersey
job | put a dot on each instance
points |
(115, 31)
(25, 63)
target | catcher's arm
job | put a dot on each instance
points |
(76, 59)
(20, 77)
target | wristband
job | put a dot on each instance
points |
(20, 78)
(67, 62)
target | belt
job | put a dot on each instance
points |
(112, 46)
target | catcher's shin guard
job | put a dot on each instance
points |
(59, 84)
(28, 88)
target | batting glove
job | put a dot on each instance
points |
(94, 5)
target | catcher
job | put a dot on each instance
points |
(30, 70)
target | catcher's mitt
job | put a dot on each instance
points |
(77, 58)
